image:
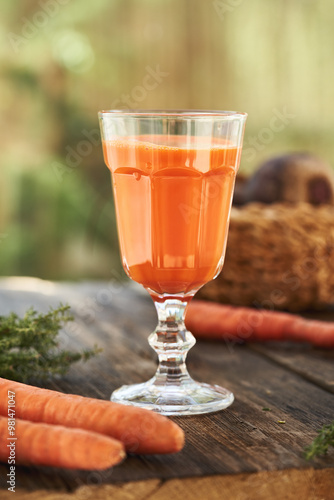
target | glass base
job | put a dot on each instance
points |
(188, 398)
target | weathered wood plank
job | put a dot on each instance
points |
(307, 484)
(243, 438)
(314, 365)
(139, 490)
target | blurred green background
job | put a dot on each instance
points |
(63, 60)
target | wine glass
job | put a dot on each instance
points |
(173, 176)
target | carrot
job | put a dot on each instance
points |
(209, 320)
(58, 446)
(140, 430)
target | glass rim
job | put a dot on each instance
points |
(178, 113)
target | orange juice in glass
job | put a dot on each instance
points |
(173, 175)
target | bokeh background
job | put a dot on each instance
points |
(63, 60)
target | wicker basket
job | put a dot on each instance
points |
(278, 256)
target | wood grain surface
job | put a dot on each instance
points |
(292, 484)
(295, 382)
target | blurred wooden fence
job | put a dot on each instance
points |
(270, 58)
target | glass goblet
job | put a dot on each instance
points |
(173, 176)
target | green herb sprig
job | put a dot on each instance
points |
(29, 348)
(321, 443)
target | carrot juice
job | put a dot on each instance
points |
(173, 197)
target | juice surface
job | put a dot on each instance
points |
(173, 198)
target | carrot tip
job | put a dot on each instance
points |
(179, 438)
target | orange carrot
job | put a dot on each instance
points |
(140, 430)
(58, 446)
(209, 320)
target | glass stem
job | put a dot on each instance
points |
(171, 341)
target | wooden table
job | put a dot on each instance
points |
(239, 453)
